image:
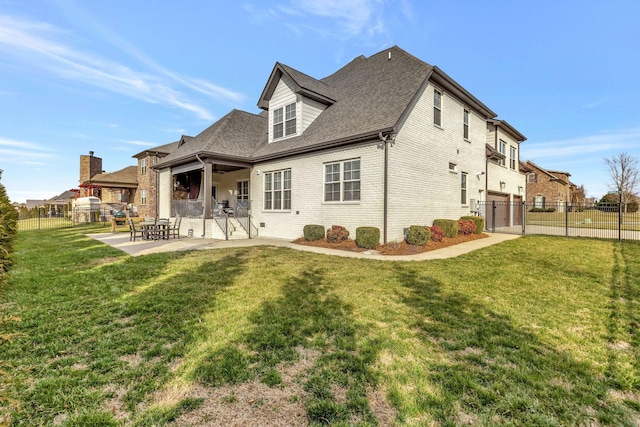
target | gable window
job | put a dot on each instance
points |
(463, 188)
(143, 166)
(437, 107)
(512, 157)
(532, 177)
(277, 190)
(465, 126)
(342, 181)
(143, 197)
(284, 121)
(502, 149)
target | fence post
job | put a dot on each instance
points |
(620, 215)
(566, 219)
(524, 217)
(493, 216)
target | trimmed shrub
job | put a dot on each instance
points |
(466, 226)
(479, 220)
(337, 234)
(436, 233)
(367, 237)
(418, 235)
(313, 232)
(448, 226)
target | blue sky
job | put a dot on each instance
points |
(116, 77)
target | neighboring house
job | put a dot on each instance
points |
(112, 188)
(145, 202)
(387, 141)
(547, 188)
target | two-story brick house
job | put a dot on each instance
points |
(387, 141)
(547, 188)
(117, 187)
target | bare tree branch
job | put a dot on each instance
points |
(623, 175)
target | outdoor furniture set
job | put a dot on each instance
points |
(154, 229)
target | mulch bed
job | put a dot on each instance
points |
(393, 248)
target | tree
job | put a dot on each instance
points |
(623, 175)
(8, 230)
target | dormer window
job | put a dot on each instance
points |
(284, 121)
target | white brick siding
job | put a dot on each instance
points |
(421, 187)
(307, 194)
(165, 183)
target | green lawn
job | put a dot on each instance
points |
(534, 331)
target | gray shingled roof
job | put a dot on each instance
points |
(161, 149)
(124, 177)
(371, 95)
(234, 136)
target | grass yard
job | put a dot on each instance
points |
(534, 331)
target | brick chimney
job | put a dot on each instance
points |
(89, 167)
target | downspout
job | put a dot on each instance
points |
(158, 189)
(386, 141)
(204, 220)
(385, 192)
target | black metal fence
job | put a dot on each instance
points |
(49, 217)
(611, 221)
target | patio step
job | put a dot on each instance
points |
(236, 231)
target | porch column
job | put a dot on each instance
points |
(206, 194)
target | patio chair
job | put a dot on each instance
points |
(133, 231)
(174, 229)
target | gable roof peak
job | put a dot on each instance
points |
(302, 84)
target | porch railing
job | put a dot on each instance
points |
(241, 214)
(187, 208)
(221, 217)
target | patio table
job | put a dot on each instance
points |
(155, 231)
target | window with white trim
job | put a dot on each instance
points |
(143, 166)
(512, 157)
(277, 190)
(342, 181)
(284, 121)
(143, 197)
(437, 107)
(465, 125)
(463, 188)
(502, 149)
(453, 167)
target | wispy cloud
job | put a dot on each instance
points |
(25, 152)
(43, 46)
(335, 18)
(595, 103)
(141, 143)
(604, 143)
